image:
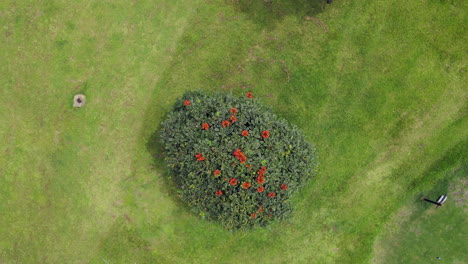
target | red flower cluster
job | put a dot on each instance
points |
(199, 157)
(261, 189)
(265, 134)
(245, 133)
(246, 185)
(187, 103)
(240, 155)
(233, 181)
(261, 179)
(272, 194)
(225, 123)
(216, 172)
(262, 171)
(249, 95)
(284, 187)
(205, 126)
(219, 193)
(253, 216)
(233, 117)
(260, 210)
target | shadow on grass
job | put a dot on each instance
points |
(439, 176)
(124, 244)
(156, 149)
(267, 13)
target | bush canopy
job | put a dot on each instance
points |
(233, 160)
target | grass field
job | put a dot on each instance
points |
(420, 232)
(378, 86)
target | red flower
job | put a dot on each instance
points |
(260, 210)
(249, 94)
(233, 181)
(242, 159)
(284, 187)
(240, 156)
(233, 111)
(187, 103)
(246, 185)
(272, 194)
(260, 189)
(225, 123)
(262, 171)
(199, 157)
(233, 119)
(261, 179)
(205, 126)
(216, 172)
(265, 134)
(219, 193)
(253, 216)
(245, 133)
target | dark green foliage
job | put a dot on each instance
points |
(288, 160)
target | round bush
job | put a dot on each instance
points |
(233, 160)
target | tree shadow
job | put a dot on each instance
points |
(267, 13)
(156, 149)
(121, 243)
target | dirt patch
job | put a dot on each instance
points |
(458, 193)
(318, 22)
(129, 220)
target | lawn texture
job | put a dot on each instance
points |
(377, 86)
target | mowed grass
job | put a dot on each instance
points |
(377, 86)
(62, 168)
(420, 232)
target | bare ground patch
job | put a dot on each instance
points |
(458, 192)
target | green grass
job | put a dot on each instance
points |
(419, 232)
(61, 183)
(378, 86)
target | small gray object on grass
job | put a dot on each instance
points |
(441, 200)
(79, 100)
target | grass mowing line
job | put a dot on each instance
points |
(362, 208)
(159, 227)
(297, 242)
(460, 95)
(410, 143)
(395, 188)
(62, 190)
(419, 232)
